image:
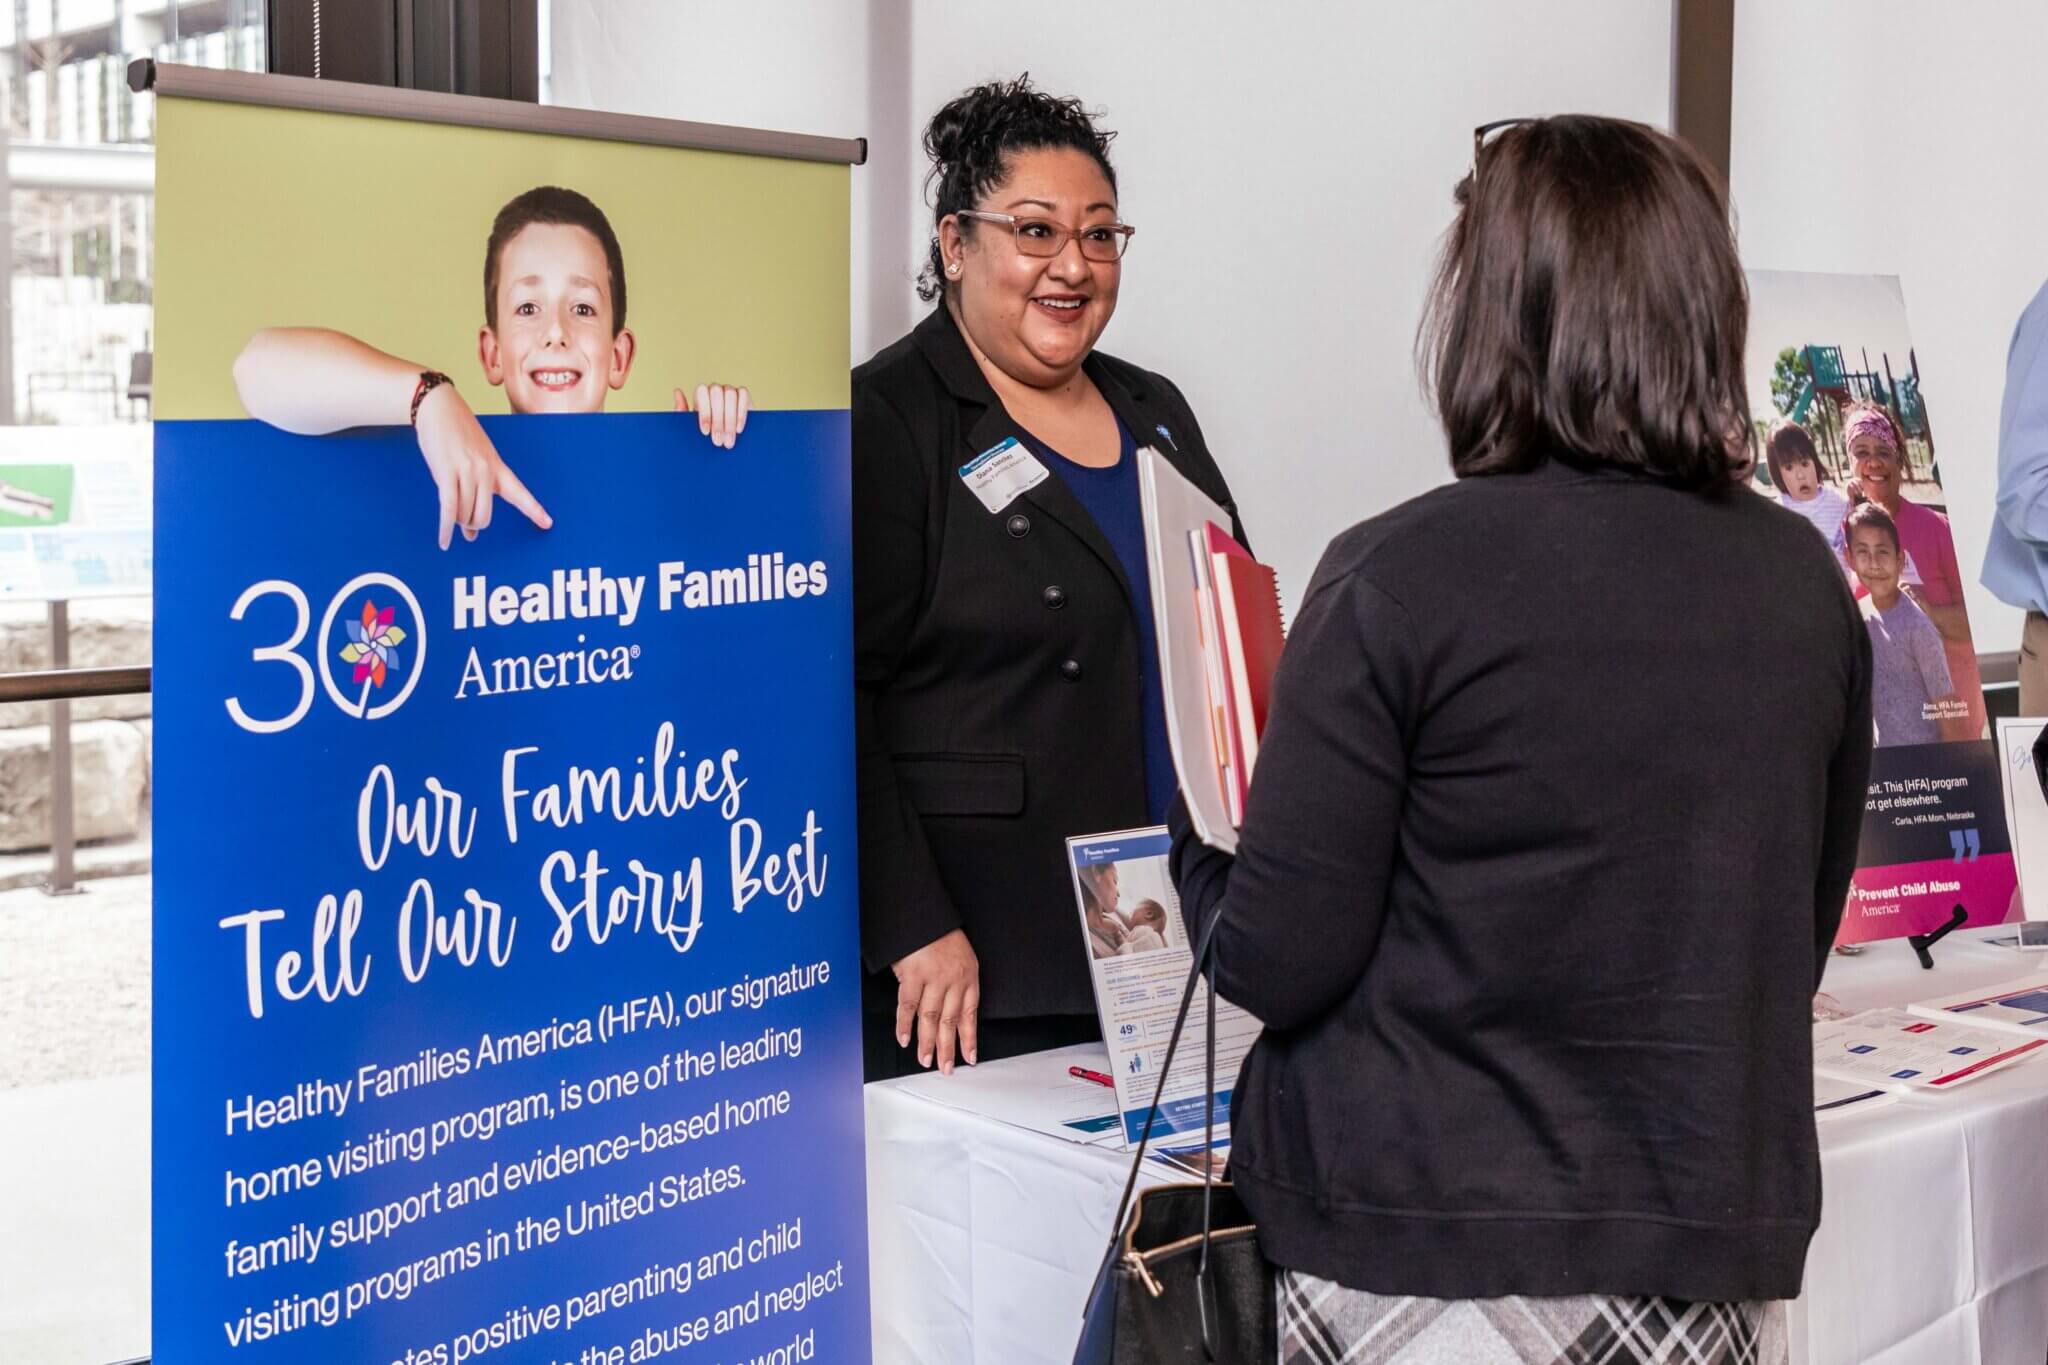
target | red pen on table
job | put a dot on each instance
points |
(1082, 1073)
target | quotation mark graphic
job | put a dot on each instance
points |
(1961, 839)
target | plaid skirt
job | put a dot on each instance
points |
(1326, 1324)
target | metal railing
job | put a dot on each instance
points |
(74, 684)
(60, 685)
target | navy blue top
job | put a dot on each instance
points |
(1111, 498)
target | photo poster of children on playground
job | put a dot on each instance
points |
(506, 963)
(1849, 439)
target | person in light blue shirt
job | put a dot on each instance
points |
(2016, 562)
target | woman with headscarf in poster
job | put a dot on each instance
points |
(1877, 452)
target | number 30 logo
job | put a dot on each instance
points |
(378, 650)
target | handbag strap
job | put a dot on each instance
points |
(1204, 1299)
(1203, 949)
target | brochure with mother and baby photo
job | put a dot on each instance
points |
(1139, 959)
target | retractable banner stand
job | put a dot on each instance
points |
(506, 1001)
(1850, 446)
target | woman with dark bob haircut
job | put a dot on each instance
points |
(1006, 680)
(1535, 963)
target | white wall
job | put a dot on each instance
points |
(1289, 166)
(796, 66)
(1904, 138)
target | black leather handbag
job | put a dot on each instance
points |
(1183, 1279)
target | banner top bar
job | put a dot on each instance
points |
(427, 106)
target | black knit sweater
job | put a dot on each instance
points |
(1548, 839)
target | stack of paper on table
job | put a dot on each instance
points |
(1036, 1093)
(1832, 1099)
(1033, 1092)
(1892, 1049)
(2019, 1007)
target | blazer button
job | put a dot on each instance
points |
(1071, 670)
(1055, 597)
(1018, 525)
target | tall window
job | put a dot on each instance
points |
(76, 184)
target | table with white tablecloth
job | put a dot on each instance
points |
(1932, 1249)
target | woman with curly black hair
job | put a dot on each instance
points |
(1007, 683)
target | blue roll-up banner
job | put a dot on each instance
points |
(506, 984)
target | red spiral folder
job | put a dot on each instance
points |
(1218, 630)
(1238, 606)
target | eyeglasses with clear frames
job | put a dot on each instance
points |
(1103, 242)
(1485, 132)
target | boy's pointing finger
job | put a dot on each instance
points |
(515, 492)
(446, 489)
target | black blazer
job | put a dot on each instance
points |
(996, 672)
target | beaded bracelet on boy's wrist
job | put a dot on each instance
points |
(429, 381)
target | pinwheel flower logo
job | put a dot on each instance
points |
(372, 649)
(373, 641)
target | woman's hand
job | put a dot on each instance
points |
(468, 472)
(721, 411)
(939, 988)
(1951, 622)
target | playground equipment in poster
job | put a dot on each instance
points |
(1823, 373)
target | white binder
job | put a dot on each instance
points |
(1173, 507)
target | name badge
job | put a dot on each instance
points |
(1000, 473)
